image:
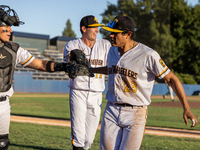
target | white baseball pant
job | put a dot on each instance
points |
(122, 128)
(4, 117)
(85, 112)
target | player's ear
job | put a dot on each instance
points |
(129, 34)
(83, 28)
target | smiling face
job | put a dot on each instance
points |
(90, 33)
(5, 33)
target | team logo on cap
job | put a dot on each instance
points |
(95, 19)
(112, 25)
(162, 63)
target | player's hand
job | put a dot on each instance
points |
(187, 114)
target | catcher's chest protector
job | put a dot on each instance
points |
(8, 53)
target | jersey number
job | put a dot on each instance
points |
(98, 76)
(133, 89)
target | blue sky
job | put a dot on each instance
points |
(49, 17)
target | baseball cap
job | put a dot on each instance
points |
(89, 21)
(120, 23)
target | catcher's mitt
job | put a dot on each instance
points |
(79, 57)
(73, 69)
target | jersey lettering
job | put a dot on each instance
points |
(96, 62)
(119, 70)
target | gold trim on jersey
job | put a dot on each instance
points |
(27, 60)
(162, 72)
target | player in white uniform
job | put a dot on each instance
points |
(170, 91)
(86, 92)
(10, 55)
(132, 68)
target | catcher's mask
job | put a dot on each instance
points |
(8, 17)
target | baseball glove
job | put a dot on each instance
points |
(73, 69)
(79, 56)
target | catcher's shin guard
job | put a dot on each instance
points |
(77, 148)
(4, 142)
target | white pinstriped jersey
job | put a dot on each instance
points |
(97, 57)
(24, 58)
(131, 76)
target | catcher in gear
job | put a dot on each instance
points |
(12, 54)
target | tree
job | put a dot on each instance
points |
(185, 31)
(68, 30)
(152, 23)
(170, 27)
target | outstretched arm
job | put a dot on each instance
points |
(72, 68)
(102, 70)
(41, 65)
(176, 85)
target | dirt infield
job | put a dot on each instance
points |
(177, 103)
(149, 130)
(193, 104)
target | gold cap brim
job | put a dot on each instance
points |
(95, 25)
(112, 30)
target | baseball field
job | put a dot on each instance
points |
(29, 136)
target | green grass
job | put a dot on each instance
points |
(170, 117)
(27, 136)
(48, 107)
(58, 108)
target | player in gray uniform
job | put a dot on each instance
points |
(132, 67)
(86, 92)
(10, 55)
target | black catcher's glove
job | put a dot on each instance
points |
(73, 69)
(79, 56)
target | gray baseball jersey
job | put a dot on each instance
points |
(130, 81)
(132, 76)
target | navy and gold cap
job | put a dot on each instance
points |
(120, 23)
(90, 21)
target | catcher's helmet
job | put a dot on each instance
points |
(8, 17)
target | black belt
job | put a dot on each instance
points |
(126, 105)
(2, 99)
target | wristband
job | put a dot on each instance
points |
(48, 66)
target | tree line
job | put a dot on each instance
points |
(171, 27)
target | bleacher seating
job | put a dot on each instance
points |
(54, 55)
(50, 76)
(37, 54)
